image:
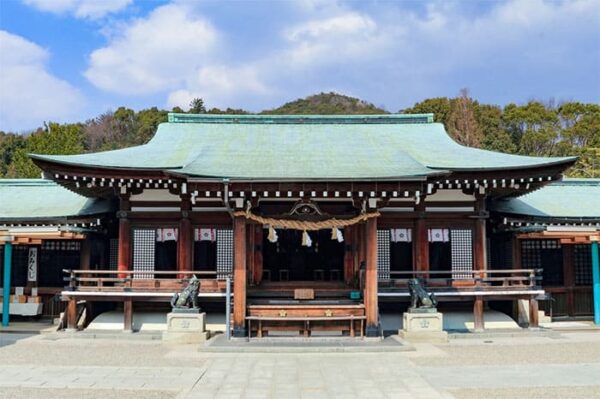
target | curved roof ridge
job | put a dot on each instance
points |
(300, 118)
(294, 151)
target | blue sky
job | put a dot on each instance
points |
(69, 60)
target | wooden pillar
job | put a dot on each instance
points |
(239, 276)
(568, 253)
(516, 252)
(185, 241)
(251, 272)
(348, 254)
(478, 314)
(257, 258)
(421, 247)
(361, 243)
(533, 313)
(85, 253)
(480, 247)
(71, 314)
(372, 327)
(124, 250)
(128, 315)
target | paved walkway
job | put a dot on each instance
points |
(35, 367)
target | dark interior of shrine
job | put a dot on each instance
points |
(288, 260)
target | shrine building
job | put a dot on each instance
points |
(318, 222)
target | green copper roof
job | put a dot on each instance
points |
(38, 199)
(303, 147)
(570, 198)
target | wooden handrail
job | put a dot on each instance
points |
(117, 280)
(487, 271)
(160, 272)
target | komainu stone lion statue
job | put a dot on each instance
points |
(419, 297)
(188, 298)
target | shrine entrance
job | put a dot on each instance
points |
(291, 259)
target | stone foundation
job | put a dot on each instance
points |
(186, 328)
(423, 327)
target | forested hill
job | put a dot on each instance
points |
(326, 104)
(534, 128)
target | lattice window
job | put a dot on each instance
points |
(144, 242)
(544, 254)
(113, 253)
(224, 253)
(61, 245)
(461, 242)
(383, 254)
(582, 257)
(531, 257)
(55, 256)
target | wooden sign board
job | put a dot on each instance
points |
(304, 293)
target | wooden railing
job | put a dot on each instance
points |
(505, 278)
(146, 281)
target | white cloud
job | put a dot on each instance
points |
(218, 85)
(387, 53)
(80, 8)
(153, 54)
(349, 35)
(29, 94)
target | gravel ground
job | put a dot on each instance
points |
(45, 393)
(528, 393)
(76, 352)
(570, 350)
(432, 371)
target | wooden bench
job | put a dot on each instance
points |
(305, 323)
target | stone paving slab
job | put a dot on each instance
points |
(32, 368)
(220, 344)
(518, 375)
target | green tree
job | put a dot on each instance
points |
(533, 127)
(495, 138)
(55, 139)
(147, 122)
(10, 143)
(197, 106)
(439, 106)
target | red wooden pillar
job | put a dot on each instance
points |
(128, 315)
(348, 254)
(186, 237)
(85, 253)
(239, 276)
(480, 250)
(124, 250)
(250, 248)
(372, 328)
(478, 314)
(421, 247)
(257, 257)
(71, 314)
(361, 239)
(534, 321)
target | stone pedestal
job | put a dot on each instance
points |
(423, 327)
(186, 328)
